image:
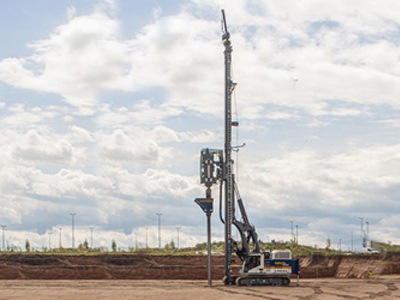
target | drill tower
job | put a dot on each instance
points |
(227, 170)
(217, 166)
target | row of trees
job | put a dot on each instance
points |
(84, 247)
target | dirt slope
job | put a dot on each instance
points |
(349, 266)
(127, 266)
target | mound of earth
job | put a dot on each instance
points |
(132, 266)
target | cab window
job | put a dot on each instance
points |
(252, 262)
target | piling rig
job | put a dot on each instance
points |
(216, 167)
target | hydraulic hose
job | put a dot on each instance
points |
(220, 202)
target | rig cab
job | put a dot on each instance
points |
(268, 268)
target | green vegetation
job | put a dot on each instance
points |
(387, 247)
(27, 246)
(114, 245)
(217, 248)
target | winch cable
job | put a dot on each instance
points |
(220, 202)
(236, 112)
(237, 136)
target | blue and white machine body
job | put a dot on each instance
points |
(268, 268)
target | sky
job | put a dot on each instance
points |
(106, 104)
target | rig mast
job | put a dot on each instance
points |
(216, 166)
(227, 170)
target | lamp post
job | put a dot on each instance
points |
(3, 228)
(297, 234)
(91, 237)
(147, 238)
(362, 231)
(136, 243)
(73, 231)
(291, 229)
(59, 244)
(49, 233)
(352, 241)
(177, 240)
(367, 237)
(159, 230)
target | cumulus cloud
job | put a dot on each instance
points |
(153, 184)
(36, 148)
(307, 186)
(143, 112)
(136, 147)
(79, 135)
(79, 59)
(113, 159)
(71, 11)
(337, 53)
(19, 116)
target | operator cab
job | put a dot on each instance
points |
(251, 262)
(255, 259)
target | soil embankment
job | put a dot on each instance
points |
(127, 266)
(349, 266)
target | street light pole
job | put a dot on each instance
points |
(291, 229)
(59, 244)
(367, 238)
(352, 241)
(136, 244)
(177, 229)
(91, 237)
(3, 227)
(159, 230)
(362, 231)
(297, 234)
(73, 231)
(147, 238)
(49, 233)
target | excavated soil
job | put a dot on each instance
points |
(349, 266)
(172, 267)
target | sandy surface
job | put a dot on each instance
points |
(386, 287)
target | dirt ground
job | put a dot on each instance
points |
(384, 287)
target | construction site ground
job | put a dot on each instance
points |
(165, 277)
(384, 287)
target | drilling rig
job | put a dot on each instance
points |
(216, 167)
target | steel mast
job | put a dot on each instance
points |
(227, 171)
(216, 166)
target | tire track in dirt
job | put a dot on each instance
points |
(237, 292)
(318, 291)
(390, 286)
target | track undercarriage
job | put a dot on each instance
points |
(262, 280)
